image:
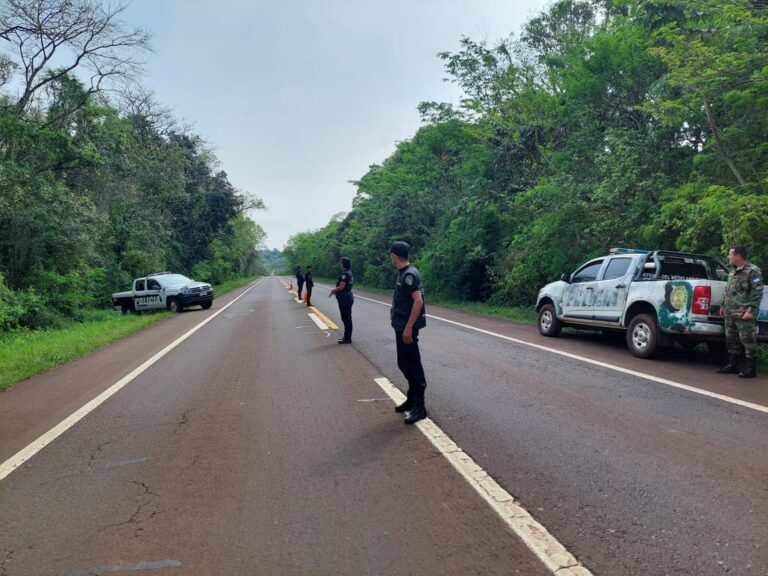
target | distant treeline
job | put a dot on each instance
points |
(604, 123)
(96, 191)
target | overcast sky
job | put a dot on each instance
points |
(297, 97)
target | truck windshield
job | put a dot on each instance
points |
(175, 280)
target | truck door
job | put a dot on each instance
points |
(155, 296)
(611, 288)
(579, 295)
(140, 294)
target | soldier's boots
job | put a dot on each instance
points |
(731, 367)
(749, 368)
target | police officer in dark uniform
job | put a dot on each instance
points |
(345, 298)
(309, 283)
(299, 280)
(408, 316)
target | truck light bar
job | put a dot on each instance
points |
(628, 251)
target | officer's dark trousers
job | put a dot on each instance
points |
(309, 295)
(409, 362)
(345, 309)
(300, 287)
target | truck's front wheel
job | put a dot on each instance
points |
(173, 305)
(549, 325)
(642, 336)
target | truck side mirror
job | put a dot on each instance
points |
(566, 278)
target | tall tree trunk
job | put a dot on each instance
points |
(720, 146)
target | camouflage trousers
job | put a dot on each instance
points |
(740, 333)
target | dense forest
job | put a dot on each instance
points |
(98, 182)
(603, 123)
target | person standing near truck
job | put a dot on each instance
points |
(299, 281)
(740, 308)
(345, 298)
(309, 283)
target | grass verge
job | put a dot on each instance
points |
(24, 353)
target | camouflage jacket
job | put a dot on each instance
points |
(744, 290)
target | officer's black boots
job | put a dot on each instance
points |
(344, 341)
(731, 367)
(408, 404)
(418, 412)
(749, 368)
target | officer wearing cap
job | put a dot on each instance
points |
(309, 283)
(408, 316)
(345, 298)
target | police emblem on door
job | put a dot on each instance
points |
(678, 298)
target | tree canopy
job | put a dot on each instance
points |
(604, 123)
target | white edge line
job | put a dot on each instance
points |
(672, 383)
(15, 461)
(316, 319)
(537, 538)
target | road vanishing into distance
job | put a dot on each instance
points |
(256, 445)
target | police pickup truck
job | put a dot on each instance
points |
(163, 291)
(656, 298)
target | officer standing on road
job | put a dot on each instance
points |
(740, 308)
(299, 280)
(309, 284)
(408, 316)
(345, 298)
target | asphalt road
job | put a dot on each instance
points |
(260, 446)
(257, 446)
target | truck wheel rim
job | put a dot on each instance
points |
(640, 336)
(546, 321)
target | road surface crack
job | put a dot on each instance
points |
(8, 558)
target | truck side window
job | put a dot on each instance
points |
(588, 273)
(140, 286)
(153, 285)
(617, 268)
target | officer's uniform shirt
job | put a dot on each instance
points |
(345, 296)
(308, 279)
(744, 290)
(408, 281)
(299, 276)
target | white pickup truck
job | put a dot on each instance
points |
(656, 298)
(163, 291)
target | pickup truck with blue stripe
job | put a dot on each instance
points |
(656, 298)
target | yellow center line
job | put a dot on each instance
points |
(324, 318)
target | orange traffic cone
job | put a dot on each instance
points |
(305, 297)
(290, 286)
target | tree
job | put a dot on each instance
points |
(53, 38)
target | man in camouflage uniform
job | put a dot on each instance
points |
(740, 309)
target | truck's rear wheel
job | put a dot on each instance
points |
(173, 305)
(549, 325)
(642, 336)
